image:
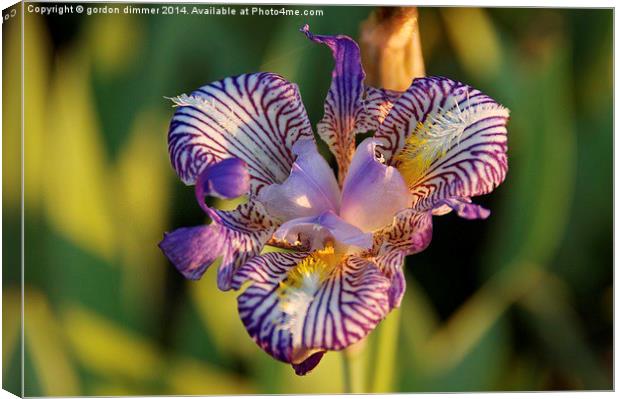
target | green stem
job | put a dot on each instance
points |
(355, 364)
(346, 372)
(385, 360)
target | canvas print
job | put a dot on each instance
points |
(221, 199)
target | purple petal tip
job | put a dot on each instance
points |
(309, 364)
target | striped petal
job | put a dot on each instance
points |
(310, 189)
(236, 236)
(391, 264)
(409, 233)
(377, 105)
(294, 308)
(255, 117)
(343, 104)
(447, 139)
(372, 192)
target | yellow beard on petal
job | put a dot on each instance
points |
(311, 271)
(432, 139)
(417, 155)
(297, 292)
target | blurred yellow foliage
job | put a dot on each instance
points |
(11, 117)
(47, 348)
(474, 39)
(118, 48)
(78, 200)
(107, 348)
(140, 183)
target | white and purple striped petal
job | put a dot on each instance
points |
(377, 105)
(310, 189)
(254, 117)
(460, 132)
(373, 192)
(409, 233)
(294, 324)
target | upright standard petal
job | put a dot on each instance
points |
(343, 104)
(298, 305)
(372, 192)
(310, 189)
(447, 139)
(255, 117)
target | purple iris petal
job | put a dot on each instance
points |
(192, 249)
(398, 284)
(343, 104)
(255, 117)
(310, 189)
(465, 209)
(391, 263)
(228, 178)
(373, 192)
(315, 231)
(472, 158)
(236, 237)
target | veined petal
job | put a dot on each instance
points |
(391, 263)
(298, 306)
(315, 232)
(246, 229)
(236, 237)
(343, 104)
(373, 192)
(409, 233)
(255, 117)
(310, 189)
(377, 105)
(447, 139)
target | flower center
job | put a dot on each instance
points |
(433, 138)
(310, 272)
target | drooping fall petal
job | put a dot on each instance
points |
(447, 139)
(255, 117)
(299, 304)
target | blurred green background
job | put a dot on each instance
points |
(521, 301)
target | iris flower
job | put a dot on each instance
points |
(434, 146)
